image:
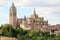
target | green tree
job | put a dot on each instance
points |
(19, 37)
(7, 30)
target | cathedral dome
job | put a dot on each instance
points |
(34, 15)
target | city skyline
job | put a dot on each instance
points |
(50, 10)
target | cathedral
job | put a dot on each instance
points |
(32, 22)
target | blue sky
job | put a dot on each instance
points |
(49, 9)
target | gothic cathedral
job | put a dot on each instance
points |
(32, 22)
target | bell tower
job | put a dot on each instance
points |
(12, 17)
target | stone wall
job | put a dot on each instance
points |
(7, 38)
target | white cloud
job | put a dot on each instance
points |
(4, 18)
(32, 3)
(47, 10)
(50, 13)
(37, 3)
(2, 2)
(51, 1)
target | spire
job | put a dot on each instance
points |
(24, 18)
(13, 6)
(34, 14)
(34, 11)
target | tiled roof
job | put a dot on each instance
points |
(52, 27)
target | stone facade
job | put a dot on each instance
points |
(27, 23)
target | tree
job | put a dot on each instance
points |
(19, 37)
(7, 30)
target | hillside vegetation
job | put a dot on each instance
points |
(20, 34)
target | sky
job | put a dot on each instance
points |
(49, 9)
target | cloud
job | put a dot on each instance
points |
(37, 3)
(45, 10)
(3, 2)
(4, 18)
(32, 3)
(52, 14)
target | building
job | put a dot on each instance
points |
(55, 29)
(32, 22)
